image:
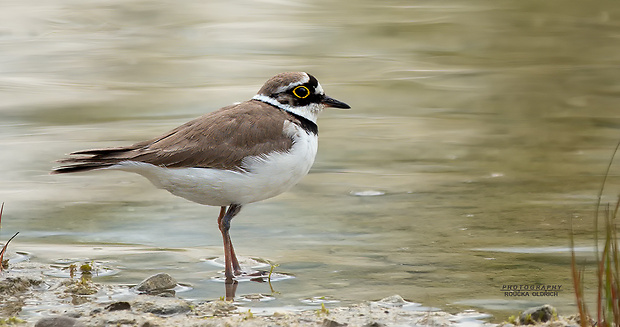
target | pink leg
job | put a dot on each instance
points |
(232, 266)
(235, 263)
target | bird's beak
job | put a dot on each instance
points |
(333, 103)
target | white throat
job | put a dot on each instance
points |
(310, 112)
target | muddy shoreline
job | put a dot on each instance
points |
(31, 298)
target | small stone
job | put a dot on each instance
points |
(395, 300)
(60, 321)
(116, 306)
(534, 315)
(119, 318)
(332, 323)
(160, 305)
(75, 314)
(156, 284)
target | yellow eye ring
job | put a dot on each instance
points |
(304, 92)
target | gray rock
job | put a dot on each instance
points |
(119, 318)
(60, 321)
(332, 323)
(161, 283)
(535, 315)
(395, 300)
(160, 306)
(116, 306)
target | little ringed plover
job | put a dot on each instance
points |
(239, 154)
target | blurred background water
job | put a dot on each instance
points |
(478, 130)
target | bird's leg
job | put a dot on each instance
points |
(227, 265)
(232, 266)
(233, 210)
(235, 263)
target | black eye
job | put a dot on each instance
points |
(301, 92)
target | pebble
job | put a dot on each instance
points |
(395, 300)
(535, 315)
(332, 323)
(158, 284)
(160, 306)
(116, 306)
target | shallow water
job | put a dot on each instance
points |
(478, 131)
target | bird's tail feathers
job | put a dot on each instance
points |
(91, 160)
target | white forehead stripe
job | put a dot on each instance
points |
(319, 89)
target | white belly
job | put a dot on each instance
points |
(265, 177)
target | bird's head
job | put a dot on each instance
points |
(299, 93)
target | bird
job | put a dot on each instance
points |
(236, 155)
